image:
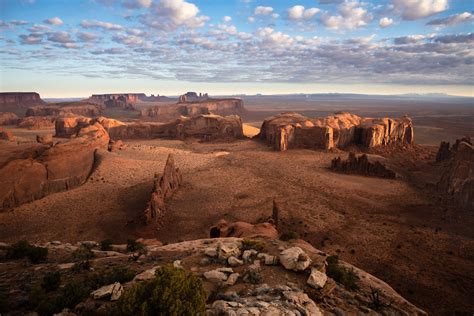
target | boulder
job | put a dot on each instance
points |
(317, 279)
(145, 275)
(8, 118)
(232, 279)
(114, 291)
(268, 259)
(295, 259)
(361, 165)
(234, 262)
(215, 276)
(164, 187)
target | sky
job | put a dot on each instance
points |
(76, 48)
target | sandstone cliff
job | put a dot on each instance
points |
(8, 118)
(19, 99)
(291, 130)
(31, 173)
(68, 109)
(362, 166)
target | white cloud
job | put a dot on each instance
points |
(129, 40)
(99, 24)
(384, 22)
(176, 13)
(54, 21)
(251, 19)
(32, 38)
(453, 19)
(227, 19)
(351, 16)
(18, 22)
(86, 37)
(418, 9)
(271, 38)
(298, 13)
(60, 37)
(135, 4)
(260, 10)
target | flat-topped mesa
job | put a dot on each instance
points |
(68, 109)
(361, 165)
(20, 99)
(292, 130)
(164, 187)
(193, 97)
(123, 100)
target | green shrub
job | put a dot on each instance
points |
(72, 294)
(171, 292)
(23, 249)
(340, 274)
(248, 244)
(133, 245)
(82, 253)
(106, 245)
(119, 274)
(289, 236)
(51, 281)
(81, 266)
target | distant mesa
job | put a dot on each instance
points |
(292, 130)
(20, 99)
(65, 109)
(193, 97)
(124, 100)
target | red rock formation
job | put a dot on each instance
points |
(37, 122)
(165, 186)
(70, 126)
(8, 118)
(361, 165)
(19, 99)
(50, 169)
(6, 135)
(45, 139)
(291, 130)
(458, 179)
(82, 109)
(243, 229)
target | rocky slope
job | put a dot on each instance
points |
(258, 276)
(291, 130)
(19, 99)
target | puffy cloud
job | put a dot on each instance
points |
(100, 24)
(298, 13)
(129, 40)
(86, 37)
(135, 4)
(351, 16)
(453, 19)
(271, 38)
(173, 14)
(410, 39)
(418, 9)
(32, 38)
(260, 10)
(54, 21)
(384, 22)
(60, 37)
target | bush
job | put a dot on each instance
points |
(133, 245)
(340, 274)
(51, 281)
(83, 253)
(252, 244)
(171, 292)
(289, 236)
(72, 294)
(119, 274)
(23, 249)
(106, 245)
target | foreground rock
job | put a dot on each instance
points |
(165, 186)
(243, 229)
(457, 181)
(8, 118)
(19, 99)
(361, 165)
(65, 109)
(292, 130)
(37, 173)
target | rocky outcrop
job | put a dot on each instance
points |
(164, 187)
(291, 130)
(193, 97)
(124, 100)
(50, 169)
(8, 118)
(45, 139)
(457, 181)
(204, 127)
(6, 135)
(243, 229)
(362, 166)
(186, 108)
(68, 109)
(19, 99)
(37, 122)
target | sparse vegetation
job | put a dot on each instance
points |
(340, 274)
(23, 249)
(375, 300)
(106, 245)
(248, 244)
(171, 292)
(51, 281)
(289, 236)
(252, 276)
(133, 246)
(83, 253)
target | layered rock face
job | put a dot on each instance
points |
(458, 179)
(8, 118)
(361, 165)
(68, 110)
(292, 130)
(205, 127)
(20, 99)
(165, 186)
(44, 170)
(37, 122)
(187, 108)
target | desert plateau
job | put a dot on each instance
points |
(260, 195)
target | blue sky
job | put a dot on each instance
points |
(76, 48)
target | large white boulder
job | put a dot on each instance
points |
(295, 259)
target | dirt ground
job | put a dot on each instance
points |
(389, 228)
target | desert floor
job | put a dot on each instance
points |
(390, 228)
